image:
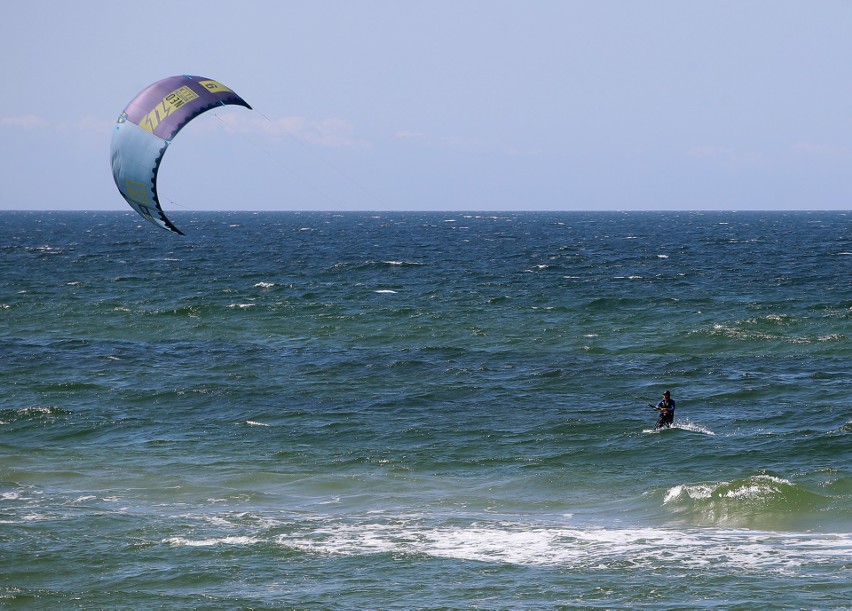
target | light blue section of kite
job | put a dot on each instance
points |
(136, 155)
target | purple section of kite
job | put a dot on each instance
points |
(166, 106)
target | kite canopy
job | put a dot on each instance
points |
(145, 129)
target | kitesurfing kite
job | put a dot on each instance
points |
(147, 126)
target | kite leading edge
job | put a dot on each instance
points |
(146, 127)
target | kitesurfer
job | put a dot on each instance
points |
(666, 407)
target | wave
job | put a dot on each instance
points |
(782, 328)
(761, 501)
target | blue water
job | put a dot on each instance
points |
(425, 410)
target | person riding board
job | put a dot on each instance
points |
(666, 407)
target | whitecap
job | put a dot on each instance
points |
(34, 517)
(36, 410)
(183, 542)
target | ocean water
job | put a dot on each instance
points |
(425, 410)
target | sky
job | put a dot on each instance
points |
(440, 104)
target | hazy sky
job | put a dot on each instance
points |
(440, 104)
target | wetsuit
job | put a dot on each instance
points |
(667, 410)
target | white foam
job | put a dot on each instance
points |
(684, 426)
(519, 544)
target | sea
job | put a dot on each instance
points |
(425, 410)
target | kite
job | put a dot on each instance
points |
(147, 126)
